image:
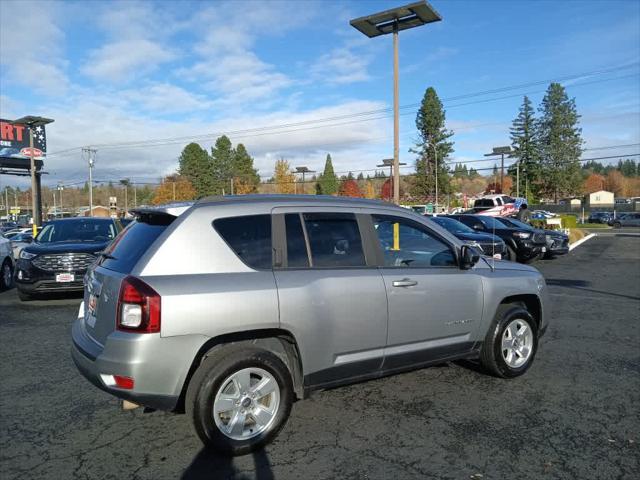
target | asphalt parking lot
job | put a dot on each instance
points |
(574, 415)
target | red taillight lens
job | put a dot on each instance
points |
(138, 307)
(123, 382)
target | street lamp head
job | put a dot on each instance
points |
(400, 18)
(32, 121)
(304, 170)
(387, 162)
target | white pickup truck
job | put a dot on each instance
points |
(7, 263)
(497, 205)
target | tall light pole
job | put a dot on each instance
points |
(392, 21)
(60, 189)
(92, 160)
(501, 151)
(435, 156)
(303, 171)
(33, 122)
(388, 162)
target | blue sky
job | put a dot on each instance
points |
(117, 72)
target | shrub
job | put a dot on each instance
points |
(569, 221)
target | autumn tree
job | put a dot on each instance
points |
(349, 188)
(284, 178)
(174, 188)
(593, 183)
(615, 182)
(494, 185)
(369, 190)
(433, 146)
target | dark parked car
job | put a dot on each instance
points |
(557, 241)
(523, 245)
(490, 245)
(600, 217)
(626, 220)
(61, 253)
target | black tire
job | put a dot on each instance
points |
(617, 225)
(24, 296)
(6, 267)
(511, 254)
(208, 379)
(491, 356)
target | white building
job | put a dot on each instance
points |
(600, 198)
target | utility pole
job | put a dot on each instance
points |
(55, 208)
(500, 151)
(174, 190)
(60, 189)
(135, 196)
(435, 156)
(6, 200)
(91, 156)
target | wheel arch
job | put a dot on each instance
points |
(278, 341)
(530, 301)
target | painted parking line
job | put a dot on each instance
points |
(581, 241)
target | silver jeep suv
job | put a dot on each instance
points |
(231, 308)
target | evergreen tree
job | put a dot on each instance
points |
(328, 182)
(360, 176)
(245, 177)
(525, 146)
(222, 160)
(434, 143)
(560, 144)
(195, 166)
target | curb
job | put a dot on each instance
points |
(581, 241)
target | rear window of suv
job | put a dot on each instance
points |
(249, 237)
(130, 245)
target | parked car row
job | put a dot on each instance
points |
(506, 237)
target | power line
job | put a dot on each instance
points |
(376, 113)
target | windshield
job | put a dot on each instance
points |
(78, 230)
(490, 223)
(513, 223)
(451, 225)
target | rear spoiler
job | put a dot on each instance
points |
(163, 214)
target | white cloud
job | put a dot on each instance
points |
(126, 60)
(165, 98)
(31, 47)
(342, 66)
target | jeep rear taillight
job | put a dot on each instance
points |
(138, 307)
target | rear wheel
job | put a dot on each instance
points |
(239, 399)
(511, 343)
(6, 275)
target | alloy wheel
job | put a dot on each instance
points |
(517, 343)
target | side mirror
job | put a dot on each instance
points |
(469, 256)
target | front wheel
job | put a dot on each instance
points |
(239, 399)
(511, 254)
(6, 275)
(511, 343)
(617, 225)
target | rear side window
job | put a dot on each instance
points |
(249, 237)
(334, 239)
(132, 243)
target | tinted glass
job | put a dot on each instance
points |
(78, 230)
(334, 239)
(469, 221)
(296, 246)
(484, 202)
(490, 223)
(411, 245)
(249, 237)
(517, 223)
(130, 245)
(451, 225)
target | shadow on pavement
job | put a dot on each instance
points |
(580, 284)
(210, 465)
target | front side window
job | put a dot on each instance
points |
(249, 237)
(334, 240)
(408, 244)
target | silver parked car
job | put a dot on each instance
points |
(233, 307)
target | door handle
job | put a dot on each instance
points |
(405, 282)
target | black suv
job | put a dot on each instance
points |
(490, 245)
(557, 241)
(523, 244)
(59, 256)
